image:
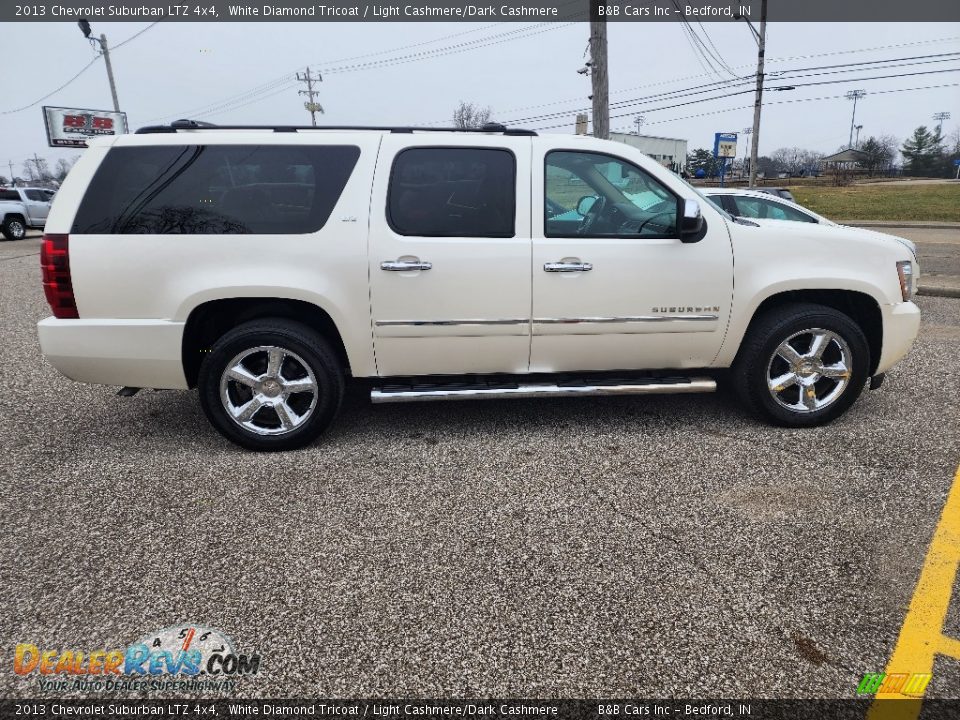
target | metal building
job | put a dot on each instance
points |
(670, 152)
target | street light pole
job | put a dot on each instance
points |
(746, 131)
(84, 25)
(854, 95)
(940, 117)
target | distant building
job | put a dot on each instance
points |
(669, 152)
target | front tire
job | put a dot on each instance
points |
(14, 229)
(271, 384)
(801, 365)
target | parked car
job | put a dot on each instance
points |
(22, 208)
(757, 205)
(446, 265)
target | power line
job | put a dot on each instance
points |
(742, 92)
(53, 92)
(785, 102)
(774, 60)
(82, 71)
(134, 36)
(783, 76)
(329, 68)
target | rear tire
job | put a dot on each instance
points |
(271, 384)
(801, 365)
(14, 228)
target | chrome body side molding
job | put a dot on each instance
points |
(533, 390)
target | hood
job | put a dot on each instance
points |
(866, 232)
(840, 232)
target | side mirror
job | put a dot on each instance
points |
(691, 222)
(585, 204)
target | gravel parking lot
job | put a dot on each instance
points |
(664, 546)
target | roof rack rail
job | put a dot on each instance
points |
(185, 124)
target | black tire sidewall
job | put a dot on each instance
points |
(9, 234)
(292, 336)
(754, 374)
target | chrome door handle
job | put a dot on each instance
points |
(405, 265)
(567, 267)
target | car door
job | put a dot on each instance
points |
(621, 291)
(38, 206)
(450, 255)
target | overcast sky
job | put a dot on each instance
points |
(521, 71)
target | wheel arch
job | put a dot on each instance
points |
(212, 319)
(860, 307)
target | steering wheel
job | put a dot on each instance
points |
(666, 211)
(644, 223)
(593, 214)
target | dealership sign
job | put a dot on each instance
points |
(725, 145)
(73, 127)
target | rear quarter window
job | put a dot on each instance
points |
(453, 192)
(215, 189)
(9, 195)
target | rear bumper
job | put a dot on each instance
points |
(138, 353)
(901, 323)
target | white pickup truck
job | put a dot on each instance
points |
(23, 208)
(267, 266)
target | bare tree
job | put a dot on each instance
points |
(795, 160)
(63, 167)
(37, 170)
(468, 115)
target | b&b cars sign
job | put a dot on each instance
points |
(73, 127)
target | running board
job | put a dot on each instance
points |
(652, 386)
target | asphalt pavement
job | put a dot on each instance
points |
(661, 546)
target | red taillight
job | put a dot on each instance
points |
(55, 264)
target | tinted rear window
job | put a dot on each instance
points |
(215, 189)
(453, 192)
(9, 195)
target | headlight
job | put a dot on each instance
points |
(908, 282)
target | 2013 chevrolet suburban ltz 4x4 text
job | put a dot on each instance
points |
(265, 266)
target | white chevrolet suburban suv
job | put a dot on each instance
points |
(266, 266)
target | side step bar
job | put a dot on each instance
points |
(418, 393)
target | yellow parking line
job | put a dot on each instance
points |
(921, 637)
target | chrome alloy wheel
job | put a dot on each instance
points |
(17, 229)
(810, 370)
(268, 390)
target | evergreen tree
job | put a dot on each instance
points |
(922, 152)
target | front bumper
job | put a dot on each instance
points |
(901, 323)
(137, 353)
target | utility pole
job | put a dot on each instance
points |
(13, 181)
(598, 73)
(758, 100)
(940, 117)
(312, 107)
(856, 140)
(84, 25)
(106, 61)
(36, 163)
(639, 120)
(854, 95)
